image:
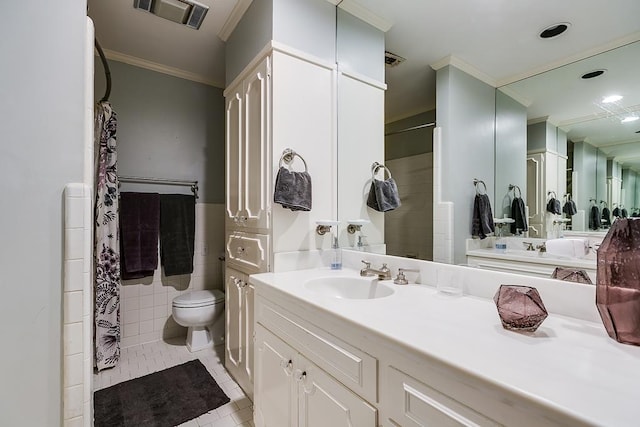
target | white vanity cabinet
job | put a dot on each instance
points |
(312, 379)
(248, 157)
(239, 339)
(293, 391)
(406, 360)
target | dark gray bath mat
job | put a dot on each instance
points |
(165, 398)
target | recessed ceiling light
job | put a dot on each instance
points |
(629, 119)
(592, 74)
(612, 98)
(554, 30)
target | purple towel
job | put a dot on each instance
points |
(139, 228)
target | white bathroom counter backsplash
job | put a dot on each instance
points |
(569, 364)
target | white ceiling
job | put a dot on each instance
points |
(497, 39)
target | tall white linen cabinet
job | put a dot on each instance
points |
(283, 80)
(277, 98)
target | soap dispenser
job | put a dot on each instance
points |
(336, 255)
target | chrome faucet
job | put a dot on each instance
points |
(383, 274)
(542, 248)
(528, 246)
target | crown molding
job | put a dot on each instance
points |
(597, 116)
(464, 66)
(232, 21)
(537, 120)
(160, 68)
(365, 14)
(525, 102)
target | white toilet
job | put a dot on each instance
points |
(203, 313)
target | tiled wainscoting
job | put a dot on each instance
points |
(145, 309)
(77, 312)
(408, 230)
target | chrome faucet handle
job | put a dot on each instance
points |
(528, 246)
(366, 271)
(542, 248)
(401, 279)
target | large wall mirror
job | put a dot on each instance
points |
(598, 155)
(591, 110)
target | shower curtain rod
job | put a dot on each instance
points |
(393, 132)
(164, 181)
(107, 71)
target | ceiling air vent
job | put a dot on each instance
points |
(185, 12)
(391, 59)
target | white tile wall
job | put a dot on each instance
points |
(145, 308)
(442, 210)
(76, 365)
(408, 230)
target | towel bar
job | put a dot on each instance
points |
(477, 181)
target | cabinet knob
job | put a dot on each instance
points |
(243, 284)
(240, 250)
(243, 219)
(286, 364)
(300, 375)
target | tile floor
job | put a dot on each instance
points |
(144, 359)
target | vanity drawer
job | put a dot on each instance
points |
(248, 252)
(349, 365)
(412, 403)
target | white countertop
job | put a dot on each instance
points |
(569, 365)
(533, 257)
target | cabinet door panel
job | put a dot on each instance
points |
(234, 156)
(256, 177)
(275, 401)
(323, 401)
(248, 331)
(233, 301)
(349, 365)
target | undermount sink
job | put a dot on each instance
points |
(349, 287)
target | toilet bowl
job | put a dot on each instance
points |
(202, 312)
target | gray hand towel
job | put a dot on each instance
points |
(482, 219)
(293, 190)
(519, 215)
(177, 233)
(383, 195)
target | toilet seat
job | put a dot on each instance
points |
(196, 299)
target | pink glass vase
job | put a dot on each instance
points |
(520, 307)
(618, 281)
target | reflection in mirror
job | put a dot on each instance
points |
(360, 95)
(408, 230)
(582, 142)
